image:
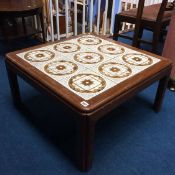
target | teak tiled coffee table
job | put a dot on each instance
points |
(90, 74)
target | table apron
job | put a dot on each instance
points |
(98, 113)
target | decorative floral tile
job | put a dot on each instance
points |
(88, 65)
(87, 84)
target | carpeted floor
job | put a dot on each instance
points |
(133, 141)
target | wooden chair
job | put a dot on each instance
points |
(154, 17)
(169, 51)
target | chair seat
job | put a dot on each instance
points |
(149, 13)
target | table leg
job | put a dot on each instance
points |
(13, 81)
(160, 93)
(85, 138)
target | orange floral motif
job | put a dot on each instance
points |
(39, 55)
(66, 47)
(137, 59)
(60, 68)
(89, 40)
(115, 70)
(87, 82)
(111, 49)
(88, 57)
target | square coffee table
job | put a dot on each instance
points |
(90, 74)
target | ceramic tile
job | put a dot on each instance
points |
(87, 84)
(88, 65)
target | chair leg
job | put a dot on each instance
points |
(163, 32)
(117, 26)
(155, 42)
(139, 37)
(41, 16)
(137, 33)
(24, 25)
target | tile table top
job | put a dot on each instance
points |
(88, 65)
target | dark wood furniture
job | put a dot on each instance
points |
(154, 17)
(10, 10)
(169, 51)
(62, 24)
(94, 109)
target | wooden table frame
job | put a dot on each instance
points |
(87, 117)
